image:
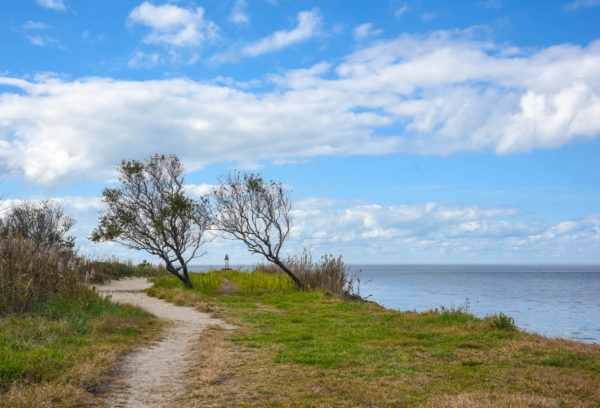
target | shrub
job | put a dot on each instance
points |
(102, 271)
(43, 223)
(30, 274)
(330, 274)
(502, 321)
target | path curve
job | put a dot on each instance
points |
(155, 376)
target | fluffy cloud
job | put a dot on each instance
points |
(435, 94)
(425, 232)
(52, 4)
(35, 25)
(238, 12)
(366, 30)
(437, 232)
(173, 25)
(197, 190)
(308, 23)
(82, 128)
(399, 12)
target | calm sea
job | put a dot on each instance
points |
(556, 301)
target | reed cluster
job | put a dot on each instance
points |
(30, 274)
(329, 273)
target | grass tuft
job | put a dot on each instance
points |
(501, 321)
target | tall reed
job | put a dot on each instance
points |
(329, 273)
(30, 274)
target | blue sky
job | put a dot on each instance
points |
(408, 131)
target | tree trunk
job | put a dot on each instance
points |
(277, 262)
(186, 278)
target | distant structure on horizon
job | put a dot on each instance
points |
(226, 267)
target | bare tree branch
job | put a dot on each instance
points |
(256, 212)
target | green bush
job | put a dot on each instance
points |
(502, 321)
(102, 271)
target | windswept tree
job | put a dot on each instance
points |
(43, 223)
(150, 211)
(256, 212)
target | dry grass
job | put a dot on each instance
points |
(329, 273)
(64, 355)
(229, 375)
(30, 274)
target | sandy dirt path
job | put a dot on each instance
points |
(155, 376)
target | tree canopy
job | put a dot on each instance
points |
(256, 212)
(149, 210)
(43, 223)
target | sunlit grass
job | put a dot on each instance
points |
(247, 283)
(60, 353)
(299, 348)
(207, 282)
(254, 283)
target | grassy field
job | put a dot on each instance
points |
(305, 349)
(64, 351)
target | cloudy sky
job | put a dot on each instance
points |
(409, 131)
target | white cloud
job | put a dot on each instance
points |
(140, 59)
(89, 38)
(42, 40)
(437, 232)
(426, 232)
(427, 17)
(365, 31)
(173, 25)
(399, 12)
(437, 94)
(35, 25)
(197, 190)
(52, 4)
(238, 12)
(308, 24)
(577, 4)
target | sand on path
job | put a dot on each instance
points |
(156, 375)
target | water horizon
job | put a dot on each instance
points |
(554, 300)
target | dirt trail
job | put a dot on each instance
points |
(155, 376)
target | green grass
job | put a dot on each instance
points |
(106, 270)
(255, 283)
(207, 283)
(364, 354)
(66, 343)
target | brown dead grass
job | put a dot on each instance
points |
(85, 381)
(494, 400)
(79, 386)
